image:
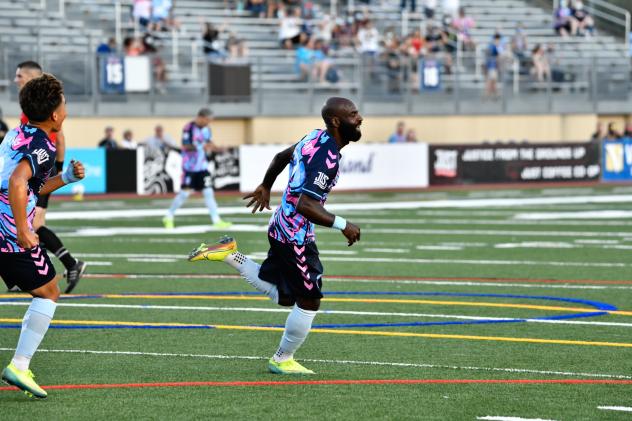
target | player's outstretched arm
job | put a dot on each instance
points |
(312, 209)
(18, 198)
(261, 196)
(73, 173)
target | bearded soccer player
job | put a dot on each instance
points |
(74, 268)
(291, 274)
(27, 160)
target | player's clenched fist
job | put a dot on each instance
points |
(352, 232)
(73, 172)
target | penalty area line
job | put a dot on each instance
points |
(328, 383)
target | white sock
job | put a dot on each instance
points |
(297, 326)
(178, 201)
(34, 327)
(211, 204)
(249, 269)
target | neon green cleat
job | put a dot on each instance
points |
(214, 252)
(23, 379)
(288, 367)
(167, 221)
(222, 224)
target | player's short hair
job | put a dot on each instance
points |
(40, 97)
(31, 65)
(205, 112)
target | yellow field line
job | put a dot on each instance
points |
(342, 332)
(358, 300)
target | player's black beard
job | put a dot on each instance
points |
(349, 132)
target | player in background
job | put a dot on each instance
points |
(74, 268)
(27, 160)
(291, 274)
(197, 145)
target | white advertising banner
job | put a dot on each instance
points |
(362, 167)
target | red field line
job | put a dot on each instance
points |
(396, 278)
(332, 382)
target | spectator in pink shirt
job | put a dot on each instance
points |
(463, 25)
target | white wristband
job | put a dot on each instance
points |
(339, 223)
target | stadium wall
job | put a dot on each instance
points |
(86, 132)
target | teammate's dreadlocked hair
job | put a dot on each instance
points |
(40, 97)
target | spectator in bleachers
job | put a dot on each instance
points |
(368, 39)
(160, 140)
(108, 142)
(411, 136)
(451, 7)
(4, 129)
(413, 5)
(257, 8)
(141, 13)
(159, 67)
(108, 47)
(520, 43)
(399, 136)
(429, 8)
(238, 51)
(323, 66)
(612, 133)
(128, 141)
(342, 37)
(324, 28)
(290, 29)
(161, 15)
(132, 47)
(585, 22)
(211, 45)
(541, 66)
(464, 24)
(563, 21)
(440, 46)
(492, 66)
(393, 59)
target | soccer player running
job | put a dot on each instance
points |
(291, 274)
(197, 145)
(74, 268)
(27, 159)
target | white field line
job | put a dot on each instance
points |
(460, 203)
(616, 408)
(501, 418)
(387, 250)
(341, 362)
(328, 312)
(384, 260)
(597, 214)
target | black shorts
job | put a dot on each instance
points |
(197, 181)
(42, 201)
(28, 270)
(296, 271)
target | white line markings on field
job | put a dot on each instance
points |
(615, 408)
(98, 263)
(496, 418)
(597, 214)
(152, 260)
(454, 203)
(380, 260)
(330, 312)
(342, 362)
(387, 250)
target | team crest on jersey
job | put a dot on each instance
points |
(42, 156)
(321, 180)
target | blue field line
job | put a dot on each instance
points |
(604, 307)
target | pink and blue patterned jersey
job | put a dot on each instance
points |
(30, 144)
(196, 160)
(313, 172)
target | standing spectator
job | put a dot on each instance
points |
(237, 50)
(160, 140)
(399, 136)
(132, 47)
(612, 133)
(413, 5)
(197, 145)
(290, 29)
(108, 141)
(599, 133)
(393, 59)
(464, 24)
(160, 14)
(128, 141)
(142, 13)
(450, 7)
(519, 43)
(158, 64)
(368, 39)
(211, 44)
(541, 67)
(563, 21)
(429, 8)
(4, 129)
(492, 62)
(585, 22)
(411, 136)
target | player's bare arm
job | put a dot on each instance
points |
(73, 173)
(18, 198)
(60, 144)
(261, 196)
(311, 209)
